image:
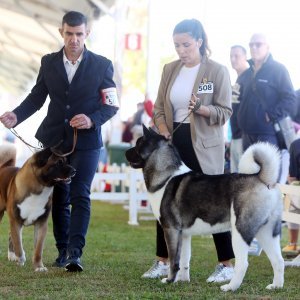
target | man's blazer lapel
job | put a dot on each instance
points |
(80, 72)
(59, 65)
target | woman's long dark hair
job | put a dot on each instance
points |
(195, 29)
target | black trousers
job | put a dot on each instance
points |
(183, 142)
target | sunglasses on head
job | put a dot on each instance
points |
(256, 45)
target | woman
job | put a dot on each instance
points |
(199, 139)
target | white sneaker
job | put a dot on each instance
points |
(221, 274)
(255, 248)
(159, 269)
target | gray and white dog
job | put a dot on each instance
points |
(188, 203)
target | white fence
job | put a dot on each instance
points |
(289, 190)
(127, 186)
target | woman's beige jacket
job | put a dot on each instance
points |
(206, 133)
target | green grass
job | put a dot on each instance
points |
(115, 257)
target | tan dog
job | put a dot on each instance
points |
(25, 193)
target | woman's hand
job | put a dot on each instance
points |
(194, 104)
(196, 107)
(166, 134)
(163, 130)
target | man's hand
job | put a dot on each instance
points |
(9, 119)
(81, 121)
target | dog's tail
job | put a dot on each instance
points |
(8, 154)
(264, 159)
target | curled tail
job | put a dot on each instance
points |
(8, 154)
(264, 159)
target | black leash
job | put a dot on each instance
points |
(195, 108)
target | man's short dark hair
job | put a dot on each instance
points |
(240, 47)
(74, 18)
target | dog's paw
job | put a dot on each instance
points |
(21, 262)
(273, 286)
(12, 256)
(183, 276)
(167, 280)
(227, 288)
(164, 280)
(41, 269)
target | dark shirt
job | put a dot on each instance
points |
(236, 132)
(268, 92)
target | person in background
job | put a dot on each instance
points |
(294, 178)
(266, 95)
(185, 83)
(140, 117)
(106, 132)
(296, 118)
(238, 59)
(82, 98)
(127, 135)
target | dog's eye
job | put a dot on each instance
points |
(59, 162)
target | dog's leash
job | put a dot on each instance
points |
(195, 108)
(73, 147)
(14, 132)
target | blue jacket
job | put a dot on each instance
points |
(272, 86)
(82, 96)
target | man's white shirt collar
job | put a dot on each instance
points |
(70, 62)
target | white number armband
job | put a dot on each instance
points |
(110, 97)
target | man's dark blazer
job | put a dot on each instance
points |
(82, 96)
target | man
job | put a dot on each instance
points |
(82, 98)
(238, 59)
(266, 94)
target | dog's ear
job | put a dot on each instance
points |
(42, 157)
(153, 132)
(149, 132)
(146, 131)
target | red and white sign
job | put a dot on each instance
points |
(133, 41)
(110, 97)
